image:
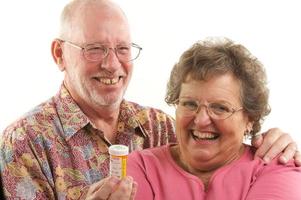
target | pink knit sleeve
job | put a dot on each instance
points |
(277, 182)
(136, 169)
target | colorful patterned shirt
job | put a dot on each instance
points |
(53, 152)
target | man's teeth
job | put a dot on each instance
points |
(204, 136)
(109, 81)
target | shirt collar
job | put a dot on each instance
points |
(71, 116)
(73, 119)
(130, 112)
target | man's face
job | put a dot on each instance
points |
(102, 83)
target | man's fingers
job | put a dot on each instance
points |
(282, 144)
(269, 139)
(134, 190)
(257, 140)
(112, 188)
(297, 158)
(95, 186)
(275, 142)
(107, 188)
(124, 189)
(288, 153)
(102, 189)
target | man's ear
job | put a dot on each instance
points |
(57, 53)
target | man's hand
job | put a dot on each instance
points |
(111, 188)
(273, 142)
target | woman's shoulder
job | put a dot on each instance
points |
(150, 154)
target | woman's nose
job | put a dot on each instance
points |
(202, 116)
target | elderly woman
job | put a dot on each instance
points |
(219, 90)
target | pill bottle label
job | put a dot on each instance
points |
(118, 166)
(118, 158)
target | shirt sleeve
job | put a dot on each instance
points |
(22, 173)
(277, 182)
(136, 169)
(163, 130)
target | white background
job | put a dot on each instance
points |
(164, 28)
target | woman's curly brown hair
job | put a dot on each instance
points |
(220, 56)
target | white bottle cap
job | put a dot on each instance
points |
(119, 150)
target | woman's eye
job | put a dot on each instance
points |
(219, 108)
(191, 105)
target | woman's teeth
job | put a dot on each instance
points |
(204, 136)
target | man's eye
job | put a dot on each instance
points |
(96, 49)
(123, 49)
(219, 108)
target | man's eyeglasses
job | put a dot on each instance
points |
(97, 52)
(216, 110)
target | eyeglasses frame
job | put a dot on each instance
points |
(233, 110)
(83, 49)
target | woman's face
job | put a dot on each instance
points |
(206, 143)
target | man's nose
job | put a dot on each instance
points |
(111, 61)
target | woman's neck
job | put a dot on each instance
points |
(204, 174)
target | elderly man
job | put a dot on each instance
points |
(59, 150)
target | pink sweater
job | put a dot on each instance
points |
(160, 178)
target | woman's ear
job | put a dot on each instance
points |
(249, 127)
(57, 53)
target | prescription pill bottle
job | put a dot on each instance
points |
(118, 157)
